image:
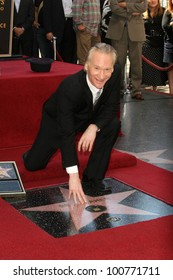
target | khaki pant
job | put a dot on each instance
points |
(84, 42)
(126, 47)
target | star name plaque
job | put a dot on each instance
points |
(10, 181)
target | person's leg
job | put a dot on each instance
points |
(43, 147)
(68, 44)
(135, 57)
(27, 47)
(95, 40)
(99, 159)
(44, 45)
(121, 47)
(83, 45)
(16, 45)
(39, 155)
(35, 43)
(170, 80)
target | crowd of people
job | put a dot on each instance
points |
(136, 29)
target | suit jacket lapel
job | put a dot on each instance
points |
(87, 92)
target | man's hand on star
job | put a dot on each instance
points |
(75, 189)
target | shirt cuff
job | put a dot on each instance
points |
(72, 169)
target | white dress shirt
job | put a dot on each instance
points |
(17, 4)
(67, 5)
(94, 90)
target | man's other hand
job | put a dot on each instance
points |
(87, 139)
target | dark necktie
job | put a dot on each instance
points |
(97, 96)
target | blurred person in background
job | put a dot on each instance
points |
(23, 36)
(86, 18)
(153, 46)
(167, 24)
(58, 23)
(127, 33)
(42, 44)
(105, 18)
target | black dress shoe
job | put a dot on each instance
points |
(99, 186)
(95, 186)
(138, 96)
(86, 184)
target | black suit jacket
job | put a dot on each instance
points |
(25, 17)
(54, 18)
(70, 110)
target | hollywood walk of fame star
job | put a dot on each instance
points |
(4, 172)
(81, 214)
(153, 157)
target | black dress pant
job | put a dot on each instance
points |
(22, 47)
(47, 143)
(99, 159)
(66, 47)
